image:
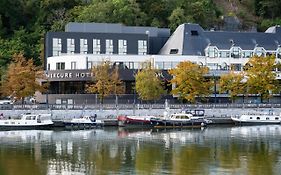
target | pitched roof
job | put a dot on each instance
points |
(191, 39)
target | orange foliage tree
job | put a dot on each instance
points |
(21, 79)
(189, 81)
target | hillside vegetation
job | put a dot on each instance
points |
(23, 23)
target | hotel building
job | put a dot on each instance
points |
(70, 55)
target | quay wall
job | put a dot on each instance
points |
(69, 113)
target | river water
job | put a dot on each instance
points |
(248, 150)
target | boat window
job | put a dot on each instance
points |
(28, 118)
(267, 118)
(13, 123)
(276, 118)
(251, 117)
(258, 118)
(6, 122)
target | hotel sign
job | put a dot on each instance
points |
(69, 75)
(87, 75)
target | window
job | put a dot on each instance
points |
(83, 46)
(73, 65)
(122, 47)
(57, 48)
(236, 67)
(142, 47)
(213, 66)
(236, 52)
(96, 46)
(251, 117)
(247, 54)
(258, 118)
(276, 118)
(267, 118)
(60, 66)
(70, 46)
(259, 51)
(109, 46)
(224, 54)
(174, 51)
(194, 33)
(212, 51)
(89, 65)
(159, 65)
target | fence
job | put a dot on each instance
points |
(132, 106)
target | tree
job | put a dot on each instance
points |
(177, 18)
(21, 79)
(148, 85)
(261, 79)
(233, 82)
(117, 11)
(106, 81)
(189, 81)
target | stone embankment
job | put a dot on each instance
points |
(209, 113)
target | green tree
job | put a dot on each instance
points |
(233, 82)
(261, 79)
(177, 18)
(117, 11)
(21, 79)
(106, 81)
(148, 84)
(189, 81)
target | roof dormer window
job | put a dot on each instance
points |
(259, 51)
(211, 51)
(194, 33)
(236, 52)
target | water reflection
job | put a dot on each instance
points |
(214, 150)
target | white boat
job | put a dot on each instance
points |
(27, 121)
(83, 122)
(268, 118)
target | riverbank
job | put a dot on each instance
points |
(113, 113)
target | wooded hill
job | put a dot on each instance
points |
(23, 23)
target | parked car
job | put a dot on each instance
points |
(6, 102)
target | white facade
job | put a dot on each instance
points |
(134, 61)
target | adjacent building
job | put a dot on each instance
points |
(70, 55)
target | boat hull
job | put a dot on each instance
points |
(159, 123)
(257, 120)
(134, 122)
(25, 127)
(71, 125)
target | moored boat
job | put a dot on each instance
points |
(134, 121)
(84, 122)
(27, 121)
(179, 120)
(252, 119)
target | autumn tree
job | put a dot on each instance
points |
(261, 79)
(148, 84)
(189, 81)
(233, 82)
(21, 79)
(106, 80)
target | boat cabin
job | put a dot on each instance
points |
(181, 116)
